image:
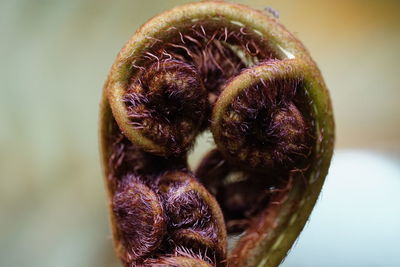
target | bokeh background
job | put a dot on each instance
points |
(54, 58)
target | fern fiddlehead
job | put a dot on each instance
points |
(239, 73)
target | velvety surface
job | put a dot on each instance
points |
(54, 58)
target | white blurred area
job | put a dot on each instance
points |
(54, 58)
(356, 220)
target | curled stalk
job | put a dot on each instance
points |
(234, 71)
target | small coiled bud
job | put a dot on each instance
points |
(140, 219)
(195, 219)
(256, 121)
(166, 105)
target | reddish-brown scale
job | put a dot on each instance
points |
(242, 195)
(140, 219)
(127, 159)
(167, 104)
(215, 61)
(264, 129)
(193, 222)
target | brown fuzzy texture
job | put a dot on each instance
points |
(264, 129)
(242, 195)
(193, 222)
(140, 219)
(127, 159)
(167, 104)
(166, 98)
(169, 100)
(164, 92)
(177, 261)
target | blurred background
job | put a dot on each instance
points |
(54, 58)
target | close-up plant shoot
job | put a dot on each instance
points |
(235, 74)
